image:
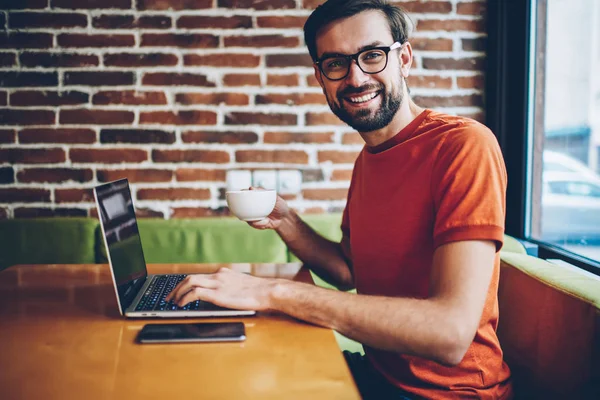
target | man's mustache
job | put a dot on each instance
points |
(350, 90)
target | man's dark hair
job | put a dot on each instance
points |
(333, 10)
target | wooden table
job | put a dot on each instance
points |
(61, 337)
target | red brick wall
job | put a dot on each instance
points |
(173, 93)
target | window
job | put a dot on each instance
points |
(543, 102)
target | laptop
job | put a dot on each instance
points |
(140, 295)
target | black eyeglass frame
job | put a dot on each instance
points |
(350, 57)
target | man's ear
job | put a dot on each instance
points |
(319, 76)
(406, 59)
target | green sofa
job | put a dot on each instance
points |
(549, 323)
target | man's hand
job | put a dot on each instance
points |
(226, 288)
(273, 221)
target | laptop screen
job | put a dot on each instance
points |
(117, 216)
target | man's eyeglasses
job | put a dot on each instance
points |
(370, 61)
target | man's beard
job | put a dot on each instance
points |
(366, 120)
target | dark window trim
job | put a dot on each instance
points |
(507, 114)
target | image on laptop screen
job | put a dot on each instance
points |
(115, 207)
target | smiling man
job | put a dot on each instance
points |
(422, 227)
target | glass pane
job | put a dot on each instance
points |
(567, 127)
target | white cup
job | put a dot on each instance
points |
(251, 205)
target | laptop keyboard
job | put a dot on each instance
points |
(154, 297)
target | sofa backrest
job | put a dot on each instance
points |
(549, 328)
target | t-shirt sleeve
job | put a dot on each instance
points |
(469, 187)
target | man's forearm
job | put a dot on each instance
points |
(323, 256)
(422, 327)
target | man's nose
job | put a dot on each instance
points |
(356, 77)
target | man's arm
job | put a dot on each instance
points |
(324, 257)
(440, 327)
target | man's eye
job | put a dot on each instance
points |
(372, 55)
(334, 64)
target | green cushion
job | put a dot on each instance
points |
(209, 240)
(513, 245)
(47, 241)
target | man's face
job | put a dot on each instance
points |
(366, 102)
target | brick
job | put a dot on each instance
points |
(74, 195)
(140, 60)
(219, 137)
(26, 117)
(7, 135)
(135, 175)
(84, 40)
(262, 41)
(325, 194)
(450, 25)
(424, 44)
(281, 21)
(352, 138)
(190, 156)
(200, 175)
(3, 213)
(176, 79)
(430, 82)
(337, 157)
(312, 81)
(199, 212)
(132, 22)
(341, 175)
(249, 118)
(257, 4)
(174, 4)
(325, 118)
(52, 60)
(283, 80)
(107, 156)
(24, 195)
(129, 97)
(38, 20)
(3, 98)
(472, 8)
(268, 156)
(2, 16)
(99, 78)
(188, 41)
(449, 64)
(192, 117)
(241, 80)
(232, 99)
(204, 22)
(32, 156)
(477, 44)
(312, 175)
(291, 99)
(425, 6)
(296, 137)
(27, 79)
(91, 4)
(56, 135)
(7, 175)
(173, 194)
(38, 212)
(96, 117)
(471, 82)
(136, 136)
(47, 98)
(288, 60)
(26, 40)
(223, 60)
(8, 59)
(55, 175)
(23, 4)
(311, 4)
(473, 100)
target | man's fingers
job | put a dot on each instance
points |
(197, 293)
(189, 283)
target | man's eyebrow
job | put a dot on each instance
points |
(365, 47)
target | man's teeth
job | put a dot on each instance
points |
(364, 98)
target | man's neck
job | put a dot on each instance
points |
(407, 112)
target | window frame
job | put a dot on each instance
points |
(510, 107)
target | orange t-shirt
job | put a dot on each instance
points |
(441, 179)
